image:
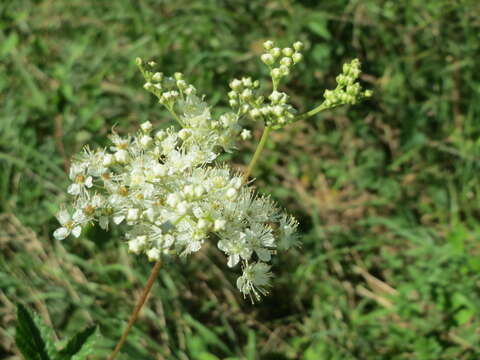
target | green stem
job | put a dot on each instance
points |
(174, 114)
(312, 112)
(258, 152)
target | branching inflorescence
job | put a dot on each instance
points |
(168, 187)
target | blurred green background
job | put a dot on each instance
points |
(387, 192)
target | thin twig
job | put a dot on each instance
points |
(137, 309)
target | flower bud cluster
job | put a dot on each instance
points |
(274, 111)
(167, 89)
(167, 190)
(348, 90)
(181, 99)
(280, 61)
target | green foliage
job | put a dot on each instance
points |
(34, 340)
(28, 338)
(386, 191)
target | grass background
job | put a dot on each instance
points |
(386, 191)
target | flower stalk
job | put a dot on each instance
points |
(136, 310)
(257, 154)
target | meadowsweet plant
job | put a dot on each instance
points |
(169, 192)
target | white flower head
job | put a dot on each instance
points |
(166, 188)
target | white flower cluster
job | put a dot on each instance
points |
(348, 90)
(167, 189)
(276, 112)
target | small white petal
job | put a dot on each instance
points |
(263, 254)
(194, 246)
(117, 219)
(132, 214)
(121, 156)
(78, 216)
(89, 182)
(107, 160)
(233, 260)
(103, 222)
(61, 233)
(76, 231)
(63, 217)
(74, 189)
(168, 241)
(219, 225)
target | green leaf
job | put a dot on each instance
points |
(9, 45)
(47, 336)
(80, 346)
(28, 338)
(318, 24)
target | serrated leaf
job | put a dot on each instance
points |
(28, 338)
(80, 346)
(47, 336)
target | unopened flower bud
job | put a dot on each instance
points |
(286, 61)
(146, 126)
(145, 140)
(267, 59)
(268, 44)
(285, 70)
(182, 84)
(190, 90)
(298, 46)
(247, 82)
(275, 52)
(297, 57)
(276, 73)
(246, 134)
(278, 110)
(236, 84)
(275, 96)
(255, 113)
(160, 135)
(246, 94)
(158, 76)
